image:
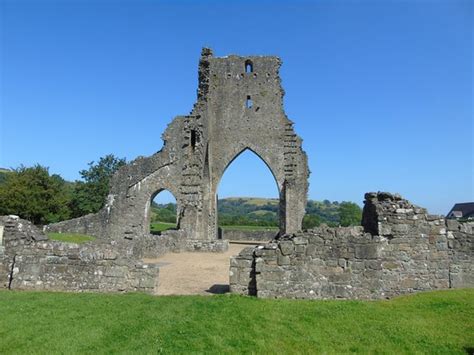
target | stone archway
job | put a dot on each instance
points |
(261, 160)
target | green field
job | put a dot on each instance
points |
(39, 322)
(158, 227)
(249, 228)
(70, 237)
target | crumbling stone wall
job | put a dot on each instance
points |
(31, 261)
(400, 249)
(249, 235)
(239, 107)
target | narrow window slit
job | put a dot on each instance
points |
(248, 66)
(193, 138)
(249, 102)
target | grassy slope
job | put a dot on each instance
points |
(437, 322)
(258, 201)
(70, 237)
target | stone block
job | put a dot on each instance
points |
(283, 260)
(366, 251)
(300, 249)
(286, 247)
(300, 240)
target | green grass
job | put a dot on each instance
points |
(70, 237)
(40, 322)
(249, 228)
(157, 227)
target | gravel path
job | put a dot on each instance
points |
(195, 273)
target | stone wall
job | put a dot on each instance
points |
(174, 241)
(94, 224)
(243, 235)
(461, 249)
(200, 146)
(400, 249)
(31, 261)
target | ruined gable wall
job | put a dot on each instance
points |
(199, 147)
(412, 251)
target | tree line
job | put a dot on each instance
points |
(264, 212)
(40, 197)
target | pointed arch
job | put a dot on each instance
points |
(236, 155)
(268, 215)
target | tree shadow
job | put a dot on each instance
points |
(218, 289)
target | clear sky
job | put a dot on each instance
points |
(380, 91)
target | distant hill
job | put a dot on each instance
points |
(255, 211)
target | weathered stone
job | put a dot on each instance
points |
(366, 251)
(356, 264)
(287, 247)
(236, 110)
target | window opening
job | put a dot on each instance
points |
(249, 102)
(193, 138)
(248, 66)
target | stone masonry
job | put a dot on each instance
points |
(399, 249)
(239, 107)
(29, 260)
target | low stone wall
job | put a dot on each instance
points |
(260, 235)
(400, 249)
(32, 261)
(94, 224)
(174, 241)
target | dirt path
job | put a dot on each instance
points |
(195, 273)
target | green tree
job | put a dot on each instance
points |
(89, 195)
(311, 221)
(350, 214)
(33, 194)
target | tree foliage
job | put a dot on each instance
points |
(89, 195)
(33, 194)
(163, 212)
(350, 214)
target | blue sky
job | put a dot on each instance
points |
(380, 91)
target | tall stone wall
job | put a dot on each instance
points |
(31, 261)
(400, 249)
(239, 107)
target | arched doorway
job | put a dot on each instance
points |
(163, 212)
(248, 199)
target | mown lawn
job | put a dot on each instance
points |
(70, 237)
(40, 322)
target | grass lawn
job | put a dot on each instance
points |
(158, 227)
(249, 228)
(70, 237)
(41, 322)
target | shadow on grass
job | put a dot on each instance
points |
(218, 289)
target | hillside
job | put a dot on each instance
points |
(252, 211)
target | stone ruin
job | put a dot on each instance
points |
(239, 107)
(399, 248)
